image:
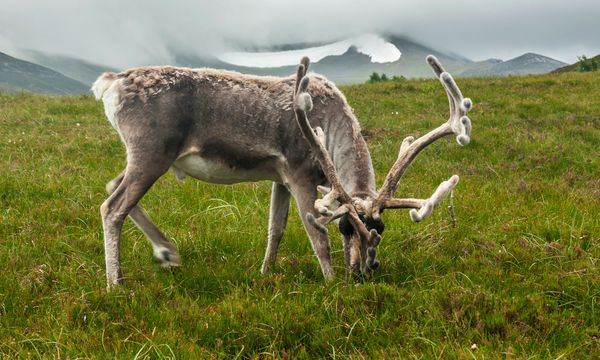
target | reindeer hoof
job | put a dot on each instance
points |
(167, 258)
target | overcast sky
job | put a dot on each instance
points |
(124, 33)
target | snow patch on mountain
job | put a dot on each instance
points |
(378, 49)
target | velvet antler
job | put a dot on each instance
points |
(458, 124)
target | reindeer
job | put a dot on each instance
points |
(224, 127)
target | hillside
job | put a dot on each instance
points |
(517, 277)
(77, 69)
(20, 75)
(355, 67)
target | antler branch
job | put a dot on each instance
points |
(458, 124)
(440, 193)
(316, 140)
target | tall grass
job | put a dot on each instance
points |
(517, 277)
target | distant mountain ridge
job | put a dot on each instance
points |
(525, 64)
(21, 75)
(69, 75)
(350, 67)
(355, 67)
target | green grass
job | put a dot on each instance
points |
(518, 276)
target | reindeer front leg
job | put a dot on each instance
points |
(305, 195)
(278, 215)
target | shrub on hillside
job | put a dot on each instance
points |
(585, 64)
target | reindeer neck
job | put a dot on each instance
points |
(350, 155)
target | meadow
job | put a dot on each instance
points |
(516, 278)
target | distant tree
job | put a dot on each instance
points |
(585, 64)
(398, 78)
(374, 77)
(384, 77)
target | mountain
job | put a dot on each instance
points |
(525, 64)
(350, 67)
(477, 66)
(412, 62)
(21, 75)
(354, 66)
(77, 69)
(575, 67)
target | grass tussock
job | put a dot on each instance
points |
(517, 277)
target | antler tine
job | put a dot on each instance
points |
(459, 105)
(455, 97)
(302, 104)
(301, 72)
(324, 220)
(440, 193)
(435, 64)
(459, 121)
(458, 124)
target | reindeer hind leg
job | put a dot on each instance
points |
(163, 250)
(137, 179)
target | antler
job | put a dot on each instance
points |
(316, 139)
(458, 124)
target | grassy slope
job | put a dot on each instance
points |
(517, 276)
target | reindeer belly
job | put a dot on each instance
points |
(220, 172)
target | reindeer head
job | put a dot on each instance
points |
(360, 217)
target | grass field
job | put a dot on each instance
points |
(517, 278)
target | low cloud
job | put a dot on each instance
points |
(127, 33)
(379, 50)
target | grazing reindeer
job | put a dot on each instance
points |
(224, 127)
